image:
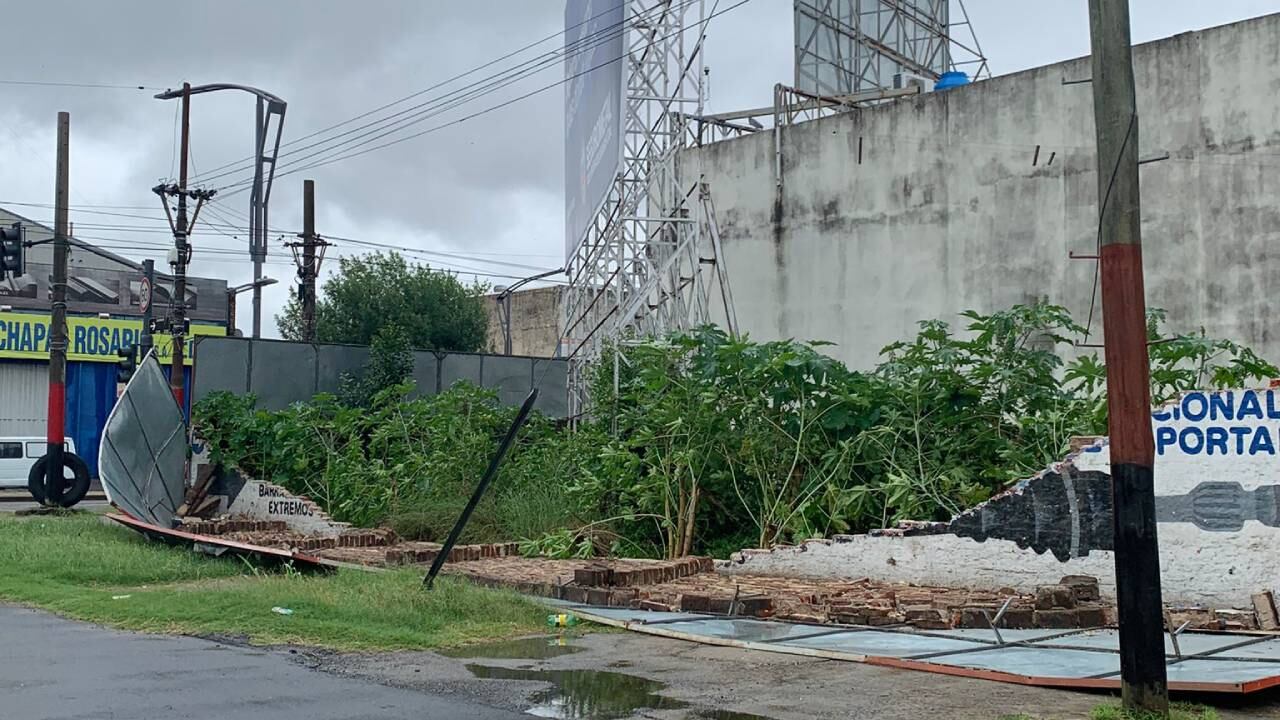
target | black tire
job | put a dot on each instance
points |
(73, 490)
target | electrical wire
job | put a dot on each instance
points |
(438, 106)
(419, 93)
(103, 86)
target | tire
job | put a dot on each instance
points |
(73, 490)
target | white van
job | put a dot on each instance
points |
(18, 454)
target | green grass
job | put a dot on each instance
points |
(80, 568)
(1177, 711)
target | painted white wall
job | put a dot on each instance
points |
(1197, 566)
(267, 501)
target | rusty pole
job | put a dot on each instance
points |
(56, 430)
(1142, 662)
(309, 269)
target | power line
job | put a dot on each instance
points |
(382, 128)
(102, 86)
(424, 90)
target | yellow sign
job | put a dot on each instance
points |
(94, 339)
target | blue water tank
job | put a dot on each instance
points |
(952, 79)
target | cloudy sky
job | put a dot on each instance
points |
(486, 191)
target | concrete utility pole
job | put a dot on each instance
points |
(179, 305)
(309, 263)
(56, 435)
(1142, 663)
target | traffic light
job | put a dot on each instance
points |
(128, 363)
(11, 254)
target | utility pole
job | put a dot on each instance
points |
(313, 247)
(56, 436)
(179, 305)
(1142, 663)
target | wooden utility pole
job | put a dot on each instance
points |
(1142, 662)
(309, 261)
(56, 435)
(179, 305)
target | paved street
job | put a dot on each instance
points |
(52, 668)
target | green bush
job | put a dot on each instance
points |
(701, 442)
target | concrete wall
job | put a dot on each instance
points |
(1217, 484)
(535, 321)
(950, 209)
(280, 373)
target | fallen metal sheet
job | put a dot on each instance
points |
(213, 545)
(143, 453)
(1209, 662)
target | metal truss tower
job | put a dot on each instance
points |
(649, 262)
(845, 47)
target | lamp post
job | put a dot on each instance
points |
(269, 108)
(232, 292)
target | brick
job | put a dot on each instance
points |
(1017, 619)
(1264, 604)
(1092, 617)
(916, 613)
(755, 606)
(1244, 619)
(938, 624)
(848, 618)
(974, 617)
(655, 606)
(1057, 618)
(1049, 597)
(1085, 587)
(885, 620)
(573, 594)
(593, 576)
(597, 596)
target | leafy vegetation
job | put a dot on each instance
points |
(701, 442)
(432, 308)
(117, 578)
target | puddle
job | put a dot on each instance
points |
(725, 715)
(589, 694)
(534, 648)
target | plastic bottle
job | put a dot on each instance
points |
(562, 620)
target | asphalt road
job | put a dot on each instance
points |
(52, 668)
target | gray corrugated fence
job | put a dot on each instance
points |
(280, 372)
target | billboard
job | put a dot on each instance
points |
(111, 290)
(849, 46)
(26, 336)
(594, 47)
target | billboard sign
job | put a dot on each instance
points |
(595, 44)
(26, 336)
(118, 291)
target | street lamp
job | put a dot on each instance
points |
(265, 151)
(232, 292)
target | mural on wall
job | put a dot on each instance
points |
(1200, 438)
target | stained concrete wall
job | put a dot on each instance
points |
(939, 203)
(1217, 486)
(535, 322)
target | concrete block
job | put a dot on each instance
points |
(1049, 597)
(1085, 587)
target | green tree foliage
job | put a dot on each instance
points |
(434, 309)
(390, 364)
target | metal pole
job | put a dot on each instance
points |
(180, 267)
(53, 479)
(506, 323)
(231, 313)
(308, 261)
(148, 272)
(1142, 662)
(258, 241)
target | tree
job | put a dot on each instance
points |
(433, 309)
